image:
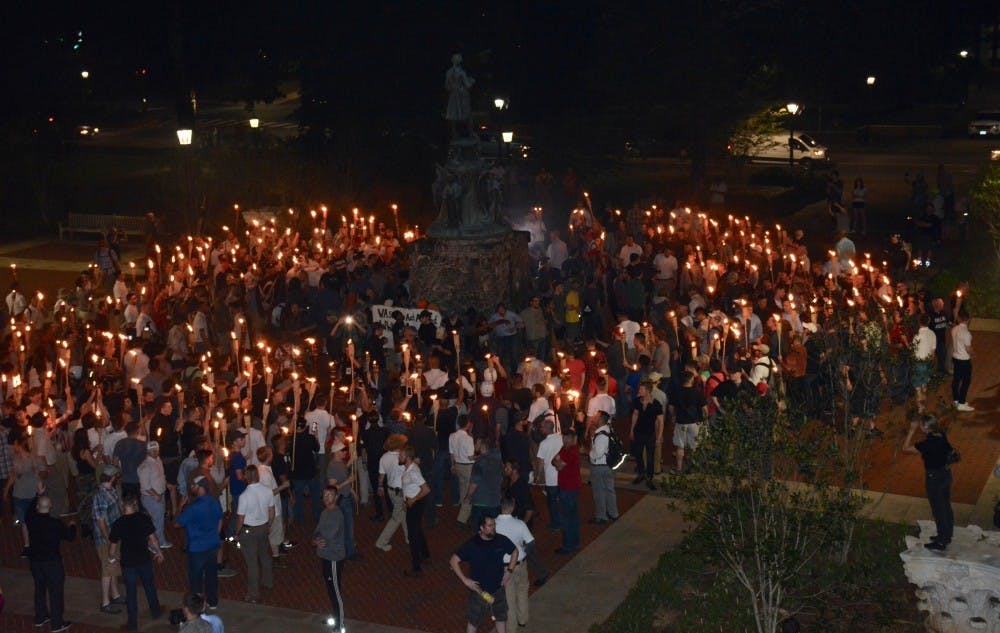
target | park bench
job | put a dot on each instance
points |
(101, 224)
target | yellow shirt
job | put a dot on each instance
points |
(572, 307)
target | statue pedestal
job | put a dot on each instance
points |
(960, 587)
(457, 273)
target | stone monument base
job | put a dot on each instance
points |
(960, 587)
(456, 274)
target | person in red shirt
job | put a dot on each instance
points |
(577, 371)
(714, 380)
(567, 462)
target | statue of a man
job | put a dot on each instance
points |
(459, 112)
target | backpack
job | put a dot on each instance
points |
(536, 425)
(616, 450)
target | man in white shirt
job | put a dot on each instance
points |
(254, 513)
(961, 360)
(390, 482)
(152, 486)
(321, 422)
(599, 403)
(924, 344)
(16, 303)
(436, 378)
(540, 404)
(516, 588)
(548, 449)
(462, 450)
(602, 478)
(627, 250)
(629, 329)
(557, 252)
(666, 272)
(136, 367)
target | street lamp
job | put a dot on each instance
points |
(499, 103)
(793, 109)
(963, 53)
(871, 80)
(184, 136)
(508, 137)
(255, 123)
(85, 74)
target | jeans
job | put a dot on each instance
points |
(442, 466)
(50, 580)
(552, 499)
(203, 575)
(377, 500)
(298, 510)
(961, 379)
(643, 448)
(602, 482)
(347, 505)
(418, 541)
(569, 518)
(938, 483)
(156, 509)
(143, 573)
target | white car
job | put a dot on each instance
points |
(986, 123)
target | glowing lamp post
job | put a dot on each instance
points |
(793, 109)
(255, 123)
(184, 136)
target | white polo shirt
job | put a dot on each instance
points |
(548, 449)
(254, 504)
(390, 467)
(599, 447)
(924, 343)
(322, 421)
(461, 447)
(412, 480)
(517, 531)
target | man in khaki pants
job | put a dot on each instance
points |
(390, 483)
(462, 450)
(254, 516)
(516, 588)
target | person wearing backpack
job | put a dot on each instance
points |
(602, 477)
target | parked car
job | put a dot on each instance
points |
(805, 150)
(986, 123)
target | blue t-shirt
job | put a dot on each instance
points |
(200, 521)
(237, 462)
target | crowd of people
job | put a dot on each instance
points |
(233, 380)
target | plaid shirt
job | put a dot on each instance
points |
(6, 454)
(107, 507)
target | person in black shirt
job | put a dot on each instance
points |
(647, 417)
(939, 324)
(134, 535)
(45, 532)
(936, 453)
(517, 447)
(281, 467)
(488, 574)
(690, 408)
(373, 437)
(303, 472)
(444, 425)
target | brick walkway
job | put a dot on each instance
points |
(20, 623)
(375, 589)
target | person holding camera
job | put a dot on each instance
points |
(938, 455)
(46, 533)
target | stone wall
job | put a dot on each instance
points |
(455, 274)
(959, 588)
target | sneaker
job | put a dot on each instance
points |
(110, 608)
(42, 623)
(961, 406)
(287, 545)
(384, 548)
(541, 581)
(213, 607)
(598, 521)
(166, 545)
(62, 627)
(936, 546)
(118, 600)
(251, 599)
(226, 572)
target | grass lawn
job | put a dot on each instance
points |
(691, 591)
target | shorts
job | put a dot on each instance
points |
(108, 569)
(686, 436)
(21, 508)
(171, 468)
(476, 610)
(920, 374)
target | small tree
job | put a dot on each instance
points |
(758, 131)
(984, 202)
